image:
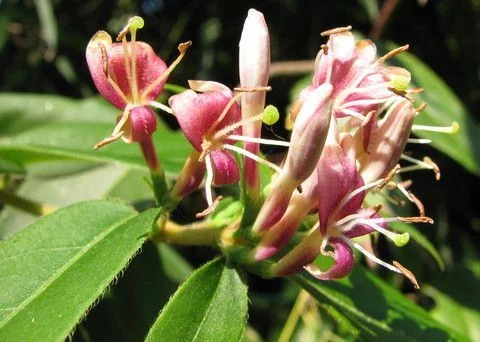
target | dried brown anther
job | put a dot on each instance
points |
(407, 273)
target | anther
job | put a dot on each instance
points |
(336, 30)
(388, 178)
(252, 89)
(392, 53)
(108, 140)
(416, 219)
(434, 166)
(421, 108)
(407, 273)
(211, 208)
(418, 203)
(324, 48)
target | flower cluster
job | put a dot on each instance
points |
(351, 126)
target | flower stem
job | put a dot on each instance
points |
(34, 208)
(197, 233)
(159, 184)
(295, 314)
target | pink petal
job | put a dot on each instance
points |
(143, 123)
(343, 262)
(149, 67)
(196, 113)
(225, 168)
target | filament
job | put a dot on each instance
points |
(161, 106)
(371, 256)
(259, 140)
(253, 156)
(209, 180)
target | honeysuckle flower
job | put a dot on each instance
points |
(254, 65)
(341, 193)
(360, 82)
(210, 118)
(306, 144)
(130, 76)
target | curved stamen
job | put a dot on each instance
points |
(259, 140)
(253, 156)
(209, 179)
(106, 72)
(227, 129)
(161, 106)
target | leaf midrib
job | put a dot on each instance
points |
(210, 304)
(70, 263)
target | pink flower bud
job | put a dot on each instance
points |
(254, 65)
(308, 137)
(381, 143)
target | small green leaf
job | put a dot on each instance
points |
(53, 271)
(210, 306)
(375, 308)
(42, 128)
(443, 108)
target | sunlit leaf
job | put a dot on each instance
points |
(210, 306)
(55, 269)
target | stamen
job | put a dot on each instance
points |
(452, 129)
(418, 203)
(224, 112)
(353, 113)
(427, 163)
(421, 108)
(253, 156)
(371, 256)
(226, 130)
(108, 140)
(416, 219)
(404, 192)
(399, 240)
(336, 30)
(388, 178)
(324, 243)
(366, 102)
(324, 48)
(209, 180)
(252, 89)
(415, 90)
(419, 141)
(210, 209)
(407, 273)
(133, 34)
(259, 140)
(161, 106)
(114, 85)
(355, 192)
(370, 87)
(182, 48)
(435, 167)
(392, 54)
(127, 64)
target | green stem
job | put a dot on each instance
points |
(295, 314)
(34, 208)
(197, 233)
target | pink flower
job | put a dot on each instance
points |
(130, 76)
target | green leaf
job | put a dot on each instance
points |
(375, 308)
(53, 271)
(210, 306)
(457, 304)
(444, 107)
(96, 182)
(41, 128)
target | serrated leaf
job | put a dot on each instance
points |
(444, 107)
(210, 306)
(375, 308)
(40, 128)
(55, 269)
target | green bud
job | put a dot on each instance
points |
(270, 115)
(136, 22)
(401, 239)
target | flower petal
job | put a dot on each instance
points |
(225, 168)
(343, 262)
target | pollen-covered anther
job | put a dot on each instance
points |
(434, 166)
(407, 273)
(324, 48)
(421, 108)
(392, 53)
(336, 30)
(418, 203)
(387, 178)
(416, 219)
